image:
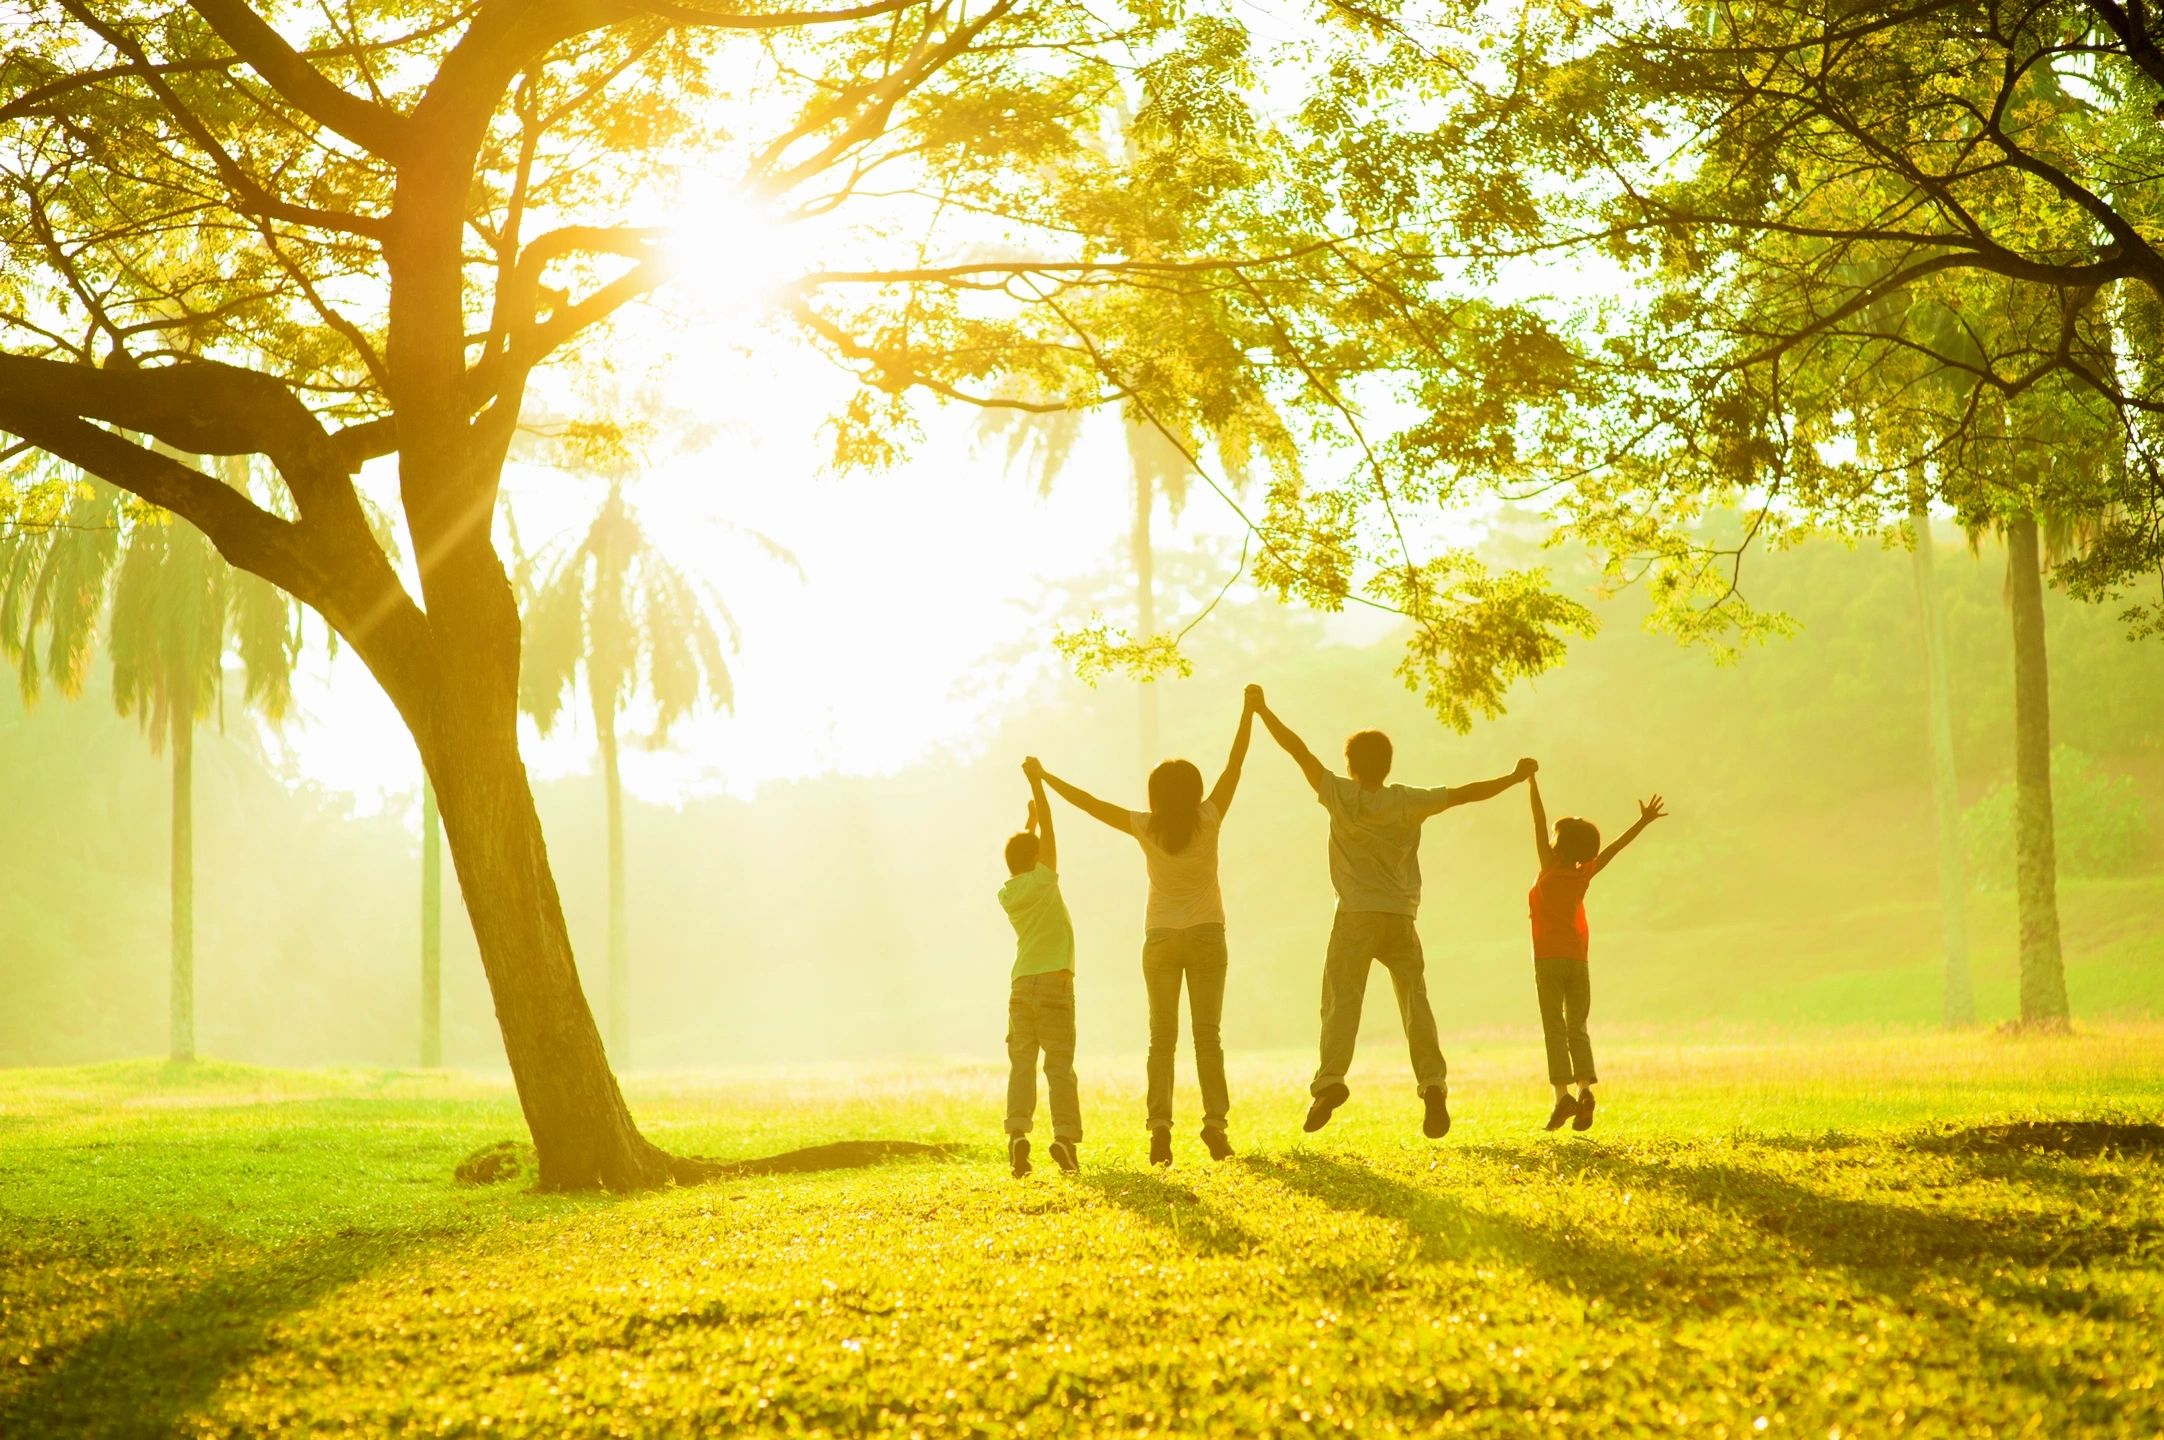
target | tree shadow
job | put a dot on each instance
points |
(2075, 1139)
(1192, 1222)
(147, 1372)
(507, 1160)
(1442, 1227)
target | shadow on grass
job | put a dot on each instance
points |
(508, 1160)
(2075, 1139)
(148, 1371)
(1173, 1208)
(1443, 1227)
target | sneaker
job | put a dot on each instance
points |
(1436, 1124)
(1585, 1112)
(1219, 1147)
(1160, 1147)
(1565, 1111)
(1318, 1114)
(1063, 1155)
(1018, 1155)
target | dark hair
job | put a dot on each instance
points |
(1576, 840)
(1175, 804)
(1367, 755)
(1021, 852)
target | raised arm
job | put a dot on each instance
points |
(1040, 816)
(1481, 790)
(1540, 823)
(1229, 781)
(1648, 812)
(1081, 799)
(1291, 743)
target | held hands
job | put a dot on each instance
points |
(1254, 699)
(1650, 811)
(1528, 767)
(1033, 770)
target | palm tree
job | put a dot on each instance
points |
(614, 608)
(176, 611)
(1959, 1006)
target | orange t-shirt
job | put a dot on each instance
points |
(1557, 906)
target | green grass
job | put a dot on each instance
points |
(1812, 1237)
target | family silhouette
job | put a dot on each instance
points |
(1374, 857)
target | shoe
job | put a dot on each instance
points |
(1318, 1114)
(1018, 1155)
(1565, 1111)
(1219, 1147)
(1436, 1124)
(1063, 1155)
(1585, 1112)
(1160, 1147)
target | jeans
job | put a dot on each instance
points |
(1040, 1016)
(1196, 953)
(1358, 938)
(1565, 988)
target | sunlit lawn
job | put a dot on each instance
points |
(1814, 1237)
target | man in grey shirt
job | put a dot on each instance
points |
(1375, 868)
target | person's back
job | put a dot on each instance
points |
(1556, 907)
(1375, 842)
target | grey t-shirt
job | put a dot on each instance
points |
(1375, 842)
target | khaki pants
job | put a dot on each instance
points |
(1565, 990)
(1040, 1018)
(1195, 954)
(1358, 938)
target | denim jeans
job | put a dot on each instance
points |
(1358, 938)
(1040, 1017)
(1565, 988)
(1196, 954)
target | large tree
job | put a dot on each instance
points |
(341, 234)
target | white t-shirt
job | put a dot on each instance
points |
(1375, 842)
(1183, 886)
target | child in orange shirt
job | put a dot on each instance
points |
(1560, 975)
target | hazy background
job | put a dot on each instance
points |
(853, 914)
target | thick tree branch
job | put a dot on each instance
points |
(379, 130)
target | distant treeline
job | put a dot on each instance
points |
(853, 917)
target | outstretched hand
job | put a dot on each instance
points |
(1650, 810)
(1031, 823)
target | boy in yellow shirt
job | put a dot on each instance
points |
(1040, 998)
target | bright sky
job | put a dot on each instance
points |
(920, 584)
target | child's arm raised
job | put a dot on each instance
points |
(1081, 799)
(1292, 744)
(1229, 781)
(1648, 812)
(1540, 824)
(1040, 816)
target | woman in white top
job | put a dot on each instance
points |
(1184, 925)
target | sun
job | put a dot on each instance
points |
(731, 256)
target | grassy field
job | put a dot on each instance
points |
(1853, 1236)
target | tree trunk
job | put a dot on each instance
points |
(183, 884)
(1143, 555)
(583, 1134)
(431, 930)
(2043, 973)
(1960, 997)
(619, 946)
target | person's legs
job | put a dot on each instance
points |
(1577, 1001)
(1021, 1058)
(1401, 955)
(1161, 955)
(1549, 980)
(1344, 986)
(1055, 1033)
(1206, 963)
